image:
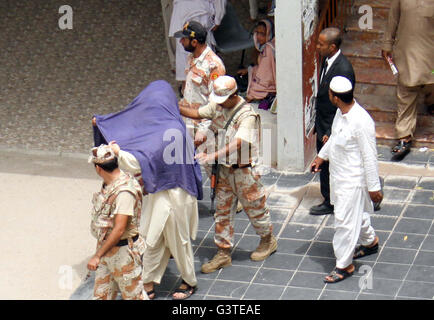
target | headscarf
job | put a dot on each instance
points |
(269, 35)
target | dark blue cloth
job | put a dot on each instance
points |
(151, 128)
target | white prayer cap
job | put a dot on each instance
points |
(340, 84)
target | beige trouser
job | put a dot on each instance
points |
(407, 107)
(167, 8)
(156, 258)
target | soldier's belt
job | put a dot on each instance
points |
(124, 242)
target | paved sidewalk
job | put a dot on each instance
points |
(403, 268)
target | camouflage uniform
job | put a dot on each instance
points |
(201, 73)
(121, 267)
(239, 183)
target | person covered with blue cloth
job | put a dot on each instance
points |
(150, 141)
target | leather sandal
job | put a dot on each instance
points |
(338, 275)
(188, 291)
(401, 149)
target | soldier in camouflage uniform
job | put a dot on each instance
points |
(237, 179)
(115, 222)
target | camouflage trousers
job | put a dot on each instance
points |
(233, 185)
(120, 269)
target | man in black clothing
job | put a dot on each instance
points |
(334, 63)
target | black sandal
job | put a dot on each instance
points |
(401, 149)
(188, 291)
(363, 251)
(338, 275)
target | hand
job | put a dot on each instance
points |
(93, 263)
(325, 138)
(243, 72)
(199, 139)
(94, 121)
(215, 28)
(376, 196)
(204, 158)
(386, 54)
(316, 164)
(115, 147)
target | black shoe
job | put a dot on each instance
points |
(321, 209)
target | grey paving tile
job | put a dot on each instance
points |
(199, 237)
(273, 276)
(283, 261)
(317, 264)
(390, 209)
(401, 182)
(230, 289)
(307, 280)
(410, 298)
(338, 295)
(392, 255)
(326, 234)
(383, 286)
(240, 226)
(330, 222)
(294, 180)
(263, 292)
(168, 283)
(416, 156)
(299, 231)
(404, 240)
(210, 297)
(296, 293)
(303, 217)
(421, 273)
(383, 236)
(248, 243)
(203, 254)
(426, 183)
(428, 244)
(276, 228)
(321, 249)
(383, 223)
(206, 223)
(278, 215)
(409, 225)
(431, 231)
(242, 258)
(419, 211)
(196, 297)
(281, 200)
(238, 273)
(203, 286)
(350, 284)
(293, 246)
(417, 290)
(396, 195)
(367, 296)
(390, 271)
(423, 197)
(424, 258)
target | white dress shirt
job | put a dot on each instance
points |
(351, 150)
(330, 62)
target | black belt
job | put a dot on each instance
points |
(125, 241)
(236, 166)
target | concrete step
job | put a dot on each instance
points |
(355, 33)
(423, 120)
(372, 75)
(361, 49)
(375, 89)
(385, 132)
(367, 62)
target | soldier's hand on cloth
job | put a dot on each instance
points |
(115, 147)
(325, 138)
(316, 164)
(93, 263)
(94, 121)
(376, 196)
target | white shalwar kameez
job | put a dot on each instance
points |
(170, 220)
(208, 13)
(351, 151)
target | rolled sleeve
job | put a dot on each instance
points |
(208, 111)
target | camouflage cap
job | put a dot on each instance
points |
(101, 154)
(223, 88)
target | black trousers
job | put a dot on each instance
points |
(324, 175)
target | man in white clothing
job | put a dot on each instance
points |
(209, 13)
(354, 181)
